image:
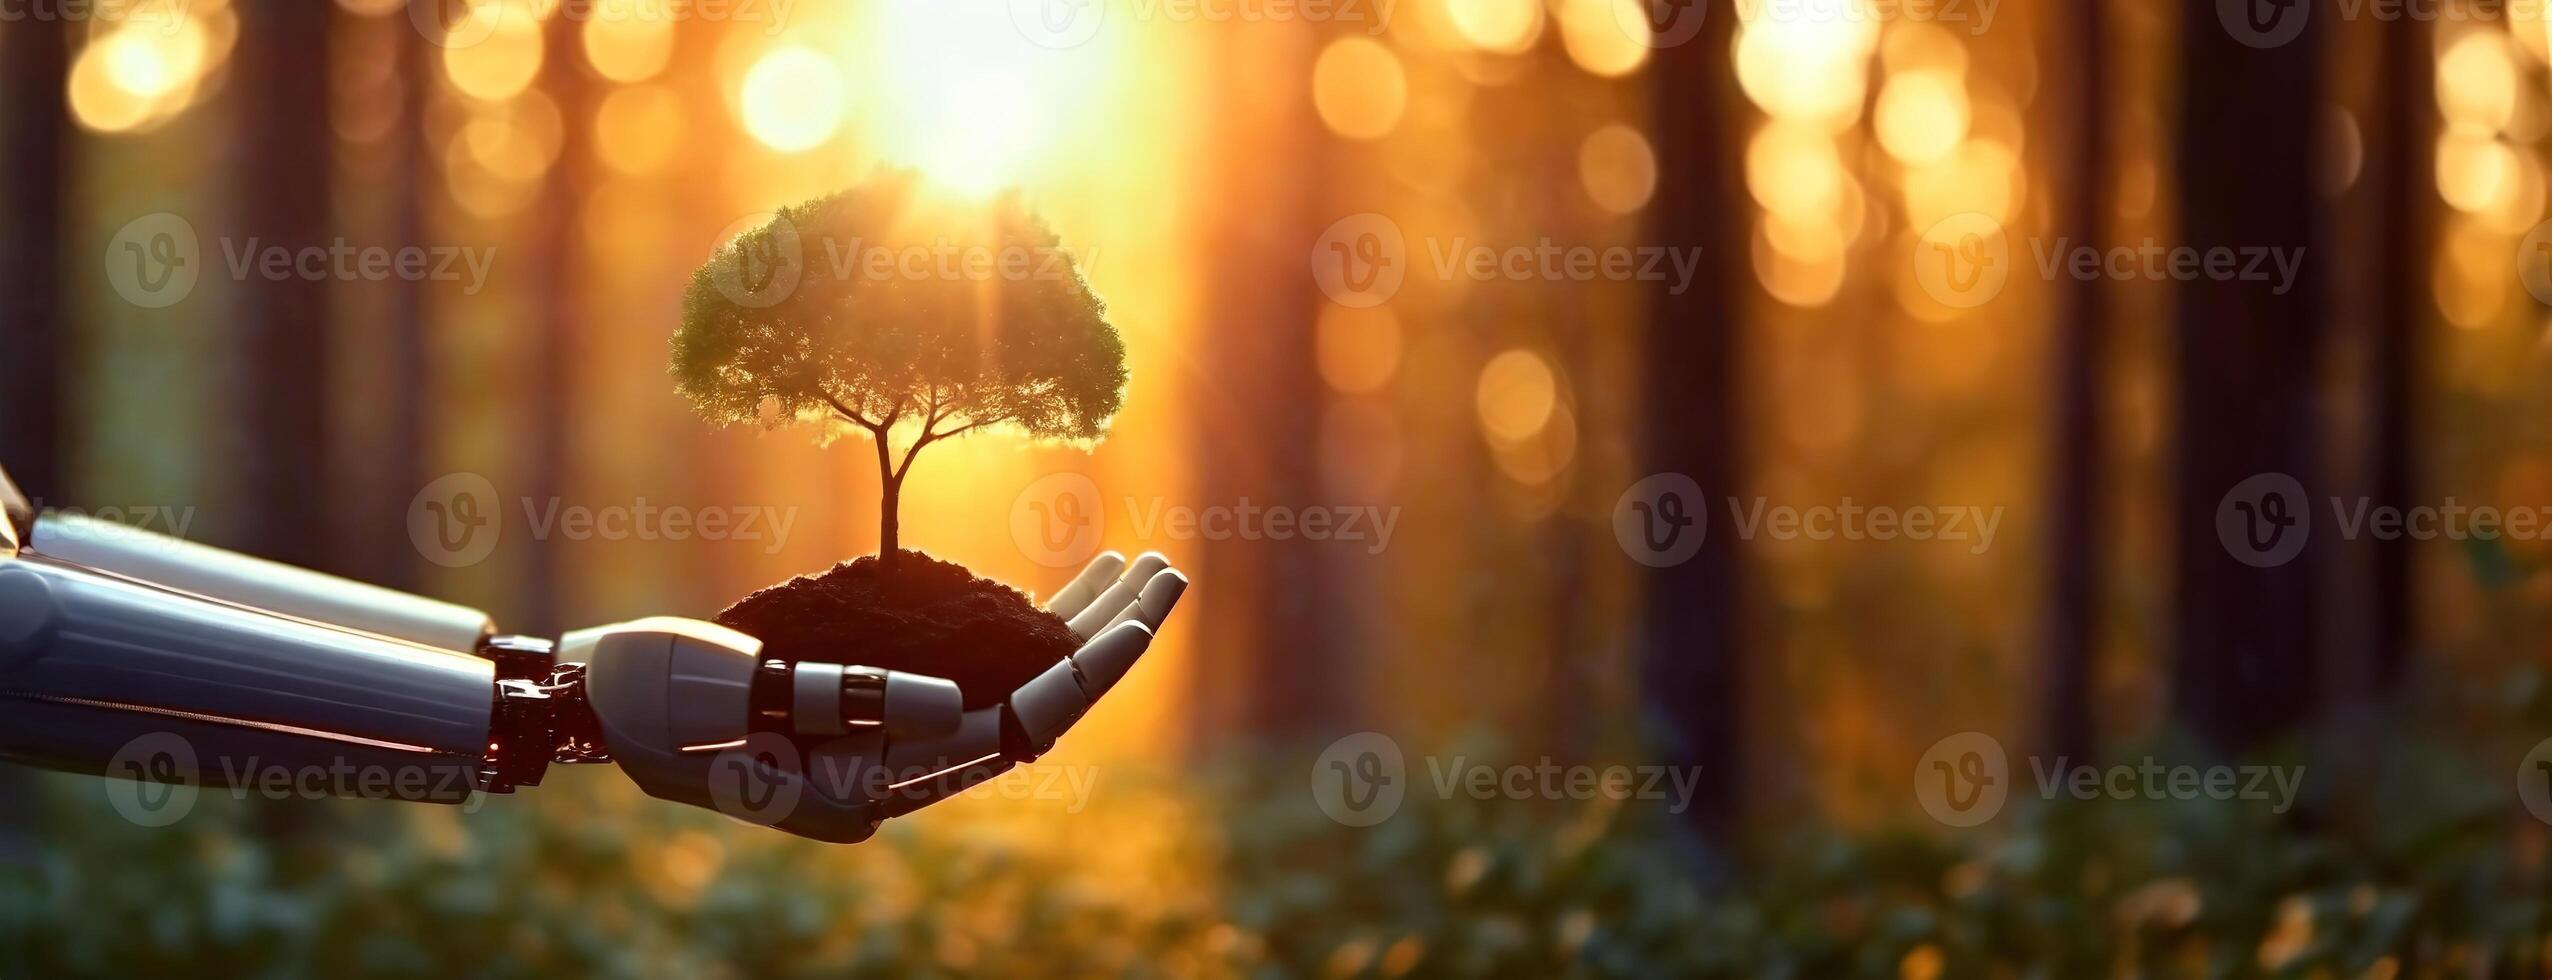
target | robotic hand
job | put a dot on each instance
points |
(826, 750)
(110, 634)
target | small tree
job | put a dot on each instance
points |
(906, 312)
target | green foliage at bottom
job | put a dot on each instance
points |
(1236, 872)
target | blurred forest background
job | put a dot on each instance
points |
(599, 152)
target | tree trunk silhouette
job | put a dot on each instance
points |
(2245, 669)
(890, 500)
(282, 322)
(282, 471)
(2357, 751)
(1277, 610)
(402, 456)
(2400, 178)
(1688, 650)
(34, 135)
(2080, 363)
(560, 285)
(34, 143)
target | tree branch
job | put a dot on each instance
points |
(940, 409)
(846, 413)
(928, 437)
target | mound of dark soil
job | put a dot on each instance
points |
(932, 617)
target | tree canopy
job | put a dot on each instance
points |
(898, 306)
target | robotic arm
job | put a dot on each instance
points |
(110, 633)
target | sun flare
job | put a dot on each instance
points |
(792, 99)
(975, 104)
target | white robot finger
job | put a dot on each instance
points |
(1104, 609)
(835, 699)
(1104, 661)
(1048, 704)
(1159, 596)
(1051, 702)
(1095, 578)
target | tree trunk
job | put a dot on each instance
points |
(2370, 662)
(280, 104)
(34, 142)
(890, 540)
(560, 291)
(402, 457)
(1297, 661)
(33, 57)
(1688, 650)
(2247, 634)
(2066, 728)
(282, 97)
(2400, 178)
